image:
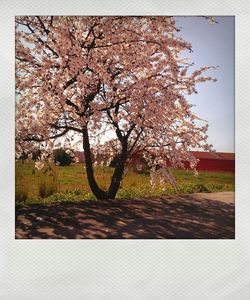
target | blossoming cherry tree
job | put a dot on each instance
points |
(93, 75)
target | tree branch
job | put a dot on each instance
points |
(42, 24)
(36, 139)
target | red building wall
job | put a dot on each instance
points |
(222, 162)
(216, 165)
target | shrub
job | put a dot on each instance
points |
(62, 157)
(36, 154)
(23, 156)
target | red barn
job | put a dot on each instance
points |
(218, 161)
(209, 161)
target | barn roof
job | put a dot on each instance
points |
(214, 155)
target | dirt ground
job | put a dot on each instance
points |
(197, 216)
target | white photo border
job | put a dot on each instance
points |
(124, 269)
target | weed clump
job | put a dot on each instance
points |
(21, 195)
(46, 188)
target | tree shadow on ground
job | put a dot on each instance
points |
(149, 218)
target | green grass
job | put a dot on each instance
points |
(72, 184)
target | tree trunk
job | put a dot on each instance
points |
(118, 173)
(98, 193)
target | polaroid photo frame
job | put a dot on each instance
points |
(111, 269)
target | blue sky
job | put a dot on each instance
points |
(213, 45)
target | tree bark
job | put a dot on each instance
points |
(98, 193)
(118, 173)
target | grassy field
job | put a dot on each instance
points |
(69, 183)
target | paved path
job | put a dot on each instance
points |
(227, 197)
(197, 216)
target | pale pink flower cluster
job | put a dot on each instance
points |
(161, 176)
(107, 73)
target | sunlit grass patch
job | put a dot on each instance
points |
(72, 183)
